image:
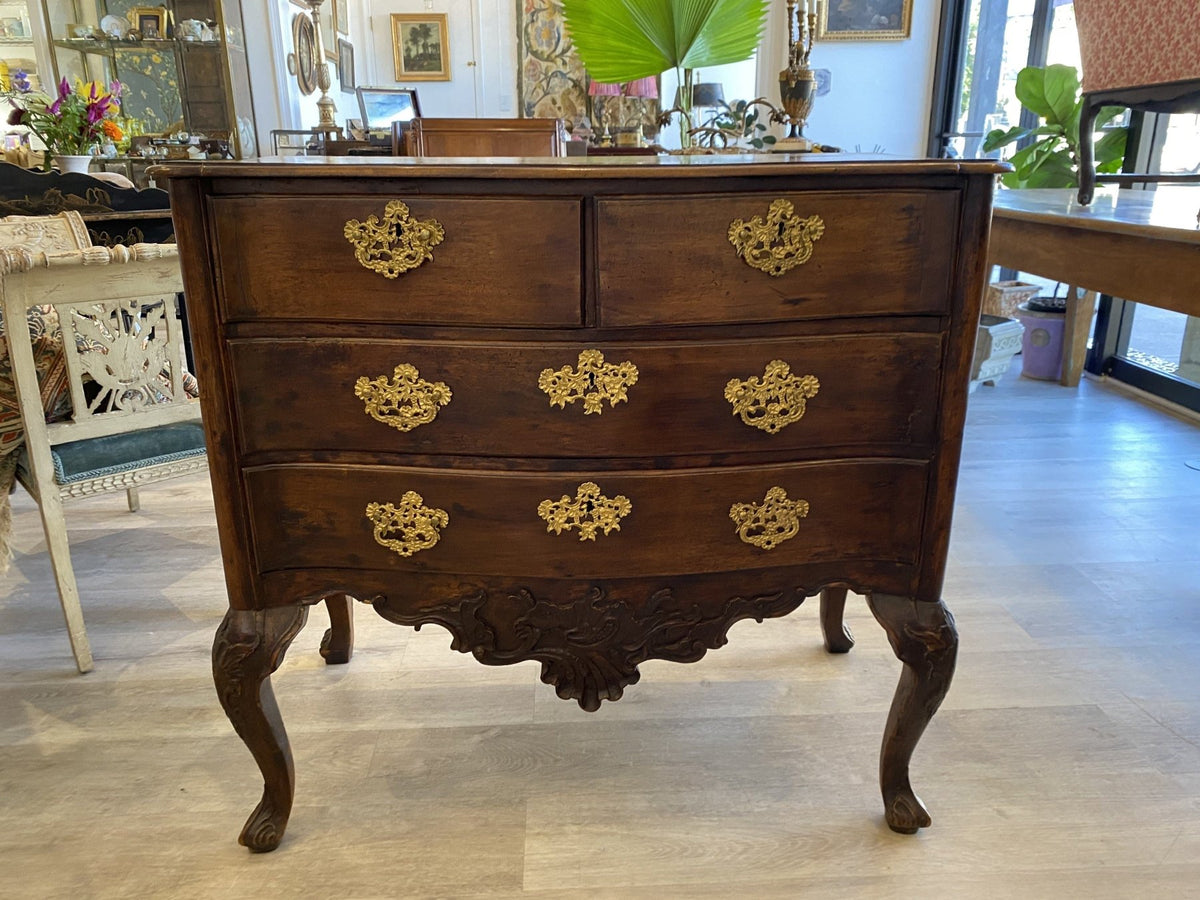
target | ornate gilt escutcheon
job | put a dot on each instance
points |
(589, 511)
(593, 382)
(770, 523)
(779, 244)
(409, 527)
(403, 401)
(395, 245)
(777, 400)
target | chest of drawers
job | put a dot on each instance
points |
(587, 413)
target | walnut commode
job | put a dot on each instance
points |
(587, 413)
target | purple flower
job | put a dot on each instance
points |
(16, 116)
(64, 89)
(115, 88)
(54, 108)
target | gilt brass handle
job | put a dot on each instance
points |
(395, 245)
(770, 523)
(403, 401)
(409, 527)
(779, 244)
(593, 382)
(774, 401)
(589, 511)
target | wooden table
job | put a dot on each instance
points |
(1138, 245)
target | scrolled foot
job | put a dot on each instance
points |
(838, 638)
(264, 829)
(905, 813)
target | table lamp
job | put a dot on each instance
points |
(603, 89)
(641, 89)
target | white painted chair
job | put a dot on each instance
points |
(131, 421)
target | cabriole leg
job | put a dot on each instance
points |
(923, 637)
(338, 643)
(249, 646)
(838, 638)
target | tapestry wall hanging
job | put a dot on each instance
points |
(551, 81)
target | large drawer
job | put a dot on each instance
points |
(317, 516)
(499, 261)
(670, 259)
(872, 391)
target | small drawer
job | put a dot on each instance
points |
(672, 261)
(290, 258)
(496, 523)
(874, 393)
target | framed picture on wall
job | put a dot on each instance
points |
(150, 21)
(346, 65)
(420, 47)
(329, 17)
(863, 20)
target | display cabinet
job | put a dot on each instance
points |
(183, 63)
(21, 47)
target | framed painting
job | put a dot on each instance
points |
(420, 47)
(864, 20)
(329, 18)
(346, 65)
(150, 21)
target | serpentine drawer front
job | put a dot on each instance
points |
(676, 395)
(677, 523)
(282, 258)
(582, 412)
(852, 255)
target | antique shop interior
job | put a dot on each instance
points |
(738, 381)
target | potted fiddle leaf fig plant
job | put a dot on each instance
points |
(1051, 159)
(624, 40)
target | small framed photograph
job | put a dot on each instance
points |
(151, 21)
(420, 47)
(346, 65)
(864, 20)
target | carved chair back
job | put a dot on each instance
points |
(95, 326)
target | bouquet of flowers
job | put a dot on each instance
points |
(74, 121)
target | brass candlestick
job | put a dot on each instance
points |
(797, 83)
(326, 109)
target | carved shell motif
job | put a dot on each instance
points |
(395, 245)
(779, 244)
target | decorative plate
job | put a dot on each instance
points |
(115, 26)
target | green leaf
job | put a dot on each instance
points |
(1052, 92)
(623, 40)
(1001, 138)
(1110, 150)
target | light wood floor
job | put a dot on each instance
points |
(1065, 762)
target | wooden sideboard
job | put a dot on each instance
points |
(587, 412)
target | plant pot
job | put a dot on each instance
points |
(1002, 298)
(77, 164)
(996, 343)
(1042, 346)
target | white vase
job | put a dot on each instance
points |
(67, 164)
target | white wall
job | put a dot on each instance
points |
(881, 90)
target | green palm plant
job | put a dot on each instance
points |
(623, 40)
